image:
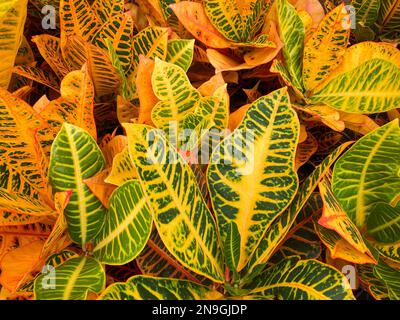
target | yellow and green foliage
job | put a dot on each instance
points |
(154, 149)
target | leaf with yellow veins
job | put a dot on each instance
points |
(324, 50)
(245, 188)
(183, 220)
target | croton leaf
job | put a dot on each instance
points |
(371, 164)
(389, 15)
(75, 156)
(335, 218)
(172, 86)
(367, 11)
(192, 16)
(77, 18)
(50, 49)
(107, 9)
(236, 21)
(122, 169)
(75, 105)
(294, 279)
(72, 280)
(25, 144)
(323, 51)
(149, 288)
(340, 248)
(118, 31)
(390, 277)
(181, 216)
(302, 239)
(156, 261)
(242, 176)
(12, 19)
(151, 42)
(127, 226)
(292, 33)
(383, 223)
(180, 52)
(281, 226)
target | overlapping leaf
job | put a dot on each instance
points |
(251, 181)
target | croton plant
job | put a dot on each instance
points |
(206, 149)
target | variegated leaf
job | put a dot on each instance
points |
(172, 86)
(237, 22)
(75, 105)
(12, 19)
(149, 288)
(292, 279)
(127, 226)
(292, 33)
(324, 50)
(368, 172)
(156, 261)
(372, 87)
(251, 181)
(74, 279)
(181, 216)
(281, 226)
(180, 52)
(75, 156)
(123, 169)
(383, 223)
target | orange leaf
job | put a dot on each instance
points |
(305, 150)
(145, 90)
(236, 117)
(18, 263)
(194, 19)
(99, 187)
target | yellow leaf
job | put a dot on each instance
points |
(324, 50)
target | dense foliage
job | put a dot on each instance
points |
(207, 149)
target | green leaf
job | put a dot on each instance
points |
(180, 53)
(281, 226)
(389, 15)
(292, 279)
(367, 11)
(251, 175)
(238, 22)
(369, 172)
(156, 261)
(302, 240)
(149, 288)
(75, 156)
(127, 226)
(372, 87)
(180, 213)
(391, 277)
(232, 246)
(383, 223)
(292, 34)
(73, 280)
